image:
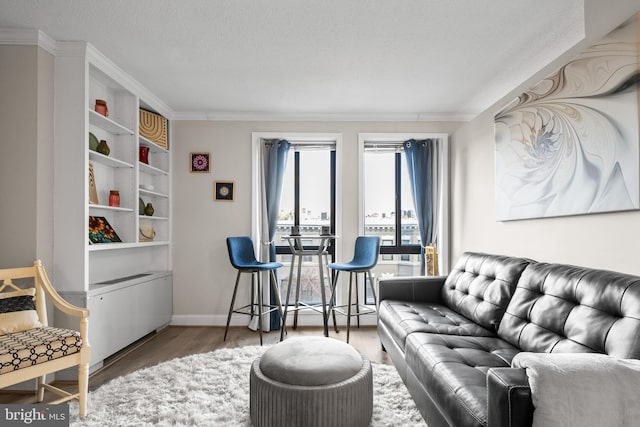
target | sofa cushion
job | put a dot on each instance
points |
(480, 286)
(453, 370)
(405, 317)
(563, 308)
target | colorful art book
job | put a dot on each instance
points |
(100, 231)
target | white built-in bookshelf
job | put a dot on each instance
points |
(127, 285)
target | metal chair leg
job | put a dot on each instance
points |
(259, 304)
(358, 301)
(233, 301)
(254, 296)
(349, 306)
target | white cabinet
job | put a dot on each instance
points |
(122, 315)
(83, 75)
(122, 311)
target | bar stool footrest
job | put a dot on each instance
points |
(342, 309)
(246, 310)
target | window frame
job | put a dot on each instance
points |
(286, 249)
(443, 229)
(299, 138)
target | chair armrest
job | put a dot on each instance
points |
(509, 398)
(53, 295)
(416, 289)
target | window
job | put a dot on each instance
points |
(387, 207)
(309, 199)
(389, 211)
(308, 190)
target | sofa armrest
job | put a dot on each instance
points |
(416, 289)
(509, 398)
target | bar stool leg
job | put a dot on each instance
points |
(259, 305)
(254, 296)
(349, 306)
(233, 301)
(358, 301)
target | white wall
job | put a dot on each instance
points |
(26, 156)
(203, 277)
(609, 241)
(44, 173)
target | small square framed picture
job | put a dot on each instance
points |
(224, 191)
(200, 162)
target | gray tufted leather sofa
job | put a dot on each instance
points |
(452, 338)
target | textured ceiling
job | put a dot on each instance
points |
(428, 58)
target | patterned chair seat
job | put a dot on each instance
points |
(23, 349)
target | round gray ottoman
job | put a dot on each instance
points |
(311, 381)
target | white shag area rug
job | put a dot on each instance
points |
(212, 389)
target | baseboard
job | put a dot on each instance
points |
(304, 319)
(28, 386)
(206, 320)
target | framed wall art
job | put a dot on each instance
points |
(569, 145)
(224, 191)
(200, 162)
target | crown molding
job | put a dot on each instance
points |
(147, 97)
(323, 117)
(30, 37)
(27, 37)
(104, 64)
(83, 49)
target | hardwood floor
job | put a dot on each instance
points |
(178, 341)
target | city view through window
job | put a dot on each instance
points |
(314, 212)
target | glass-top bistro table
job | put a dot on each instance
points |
(319, 246)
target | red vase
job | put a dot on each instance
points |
(114, 198)
(144, 154)
(101, 107)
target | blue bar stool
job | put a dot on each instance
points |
(365, 257)
(243, 258)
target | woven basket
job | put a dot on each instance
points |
(154, 128)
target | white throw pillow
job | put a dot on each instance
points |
(582, 389)
(18, 311)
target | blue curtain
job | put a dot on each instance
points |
(275, 162)
(419, 155)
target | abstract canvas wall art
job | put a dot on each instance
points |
(569, 145)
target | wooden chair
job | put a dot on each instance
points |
(29, 348)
